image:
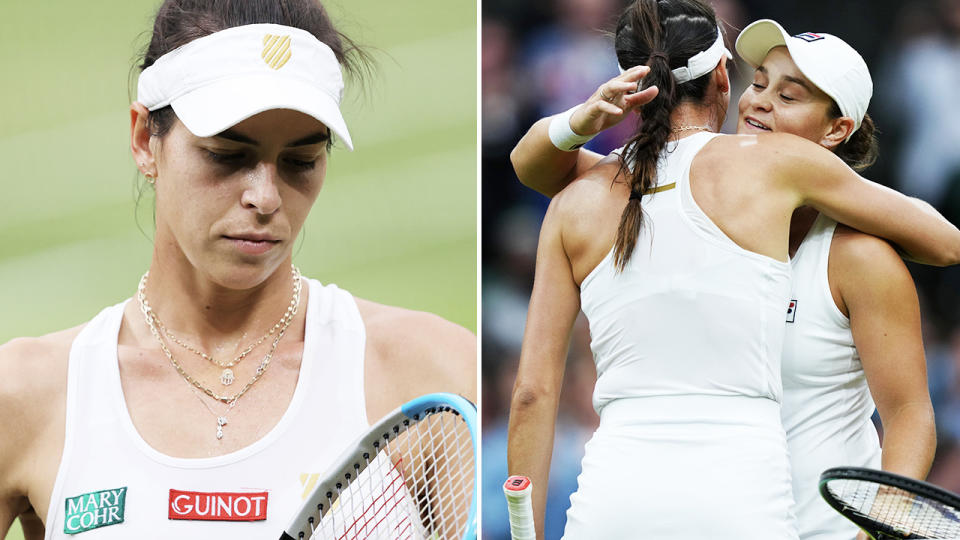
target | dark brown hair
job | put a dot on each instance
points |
(179, 22)
(862, 149)
(663, 35)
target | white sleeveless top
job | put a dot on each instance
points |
(112, 485)
(693, 312)
(687, 345)
(826, 403)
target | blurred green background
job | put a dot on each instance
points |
(395, 222)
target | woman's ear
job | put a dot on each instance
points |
(837, 131)
(143, 156)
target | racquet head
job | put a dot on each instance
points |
(411, 476)
(890, 506)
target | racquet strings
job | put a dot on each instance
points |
(419, 485)
(895, 510)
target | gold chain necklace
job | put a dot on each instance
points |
(150, 317)
(227, 376)
(679, 129)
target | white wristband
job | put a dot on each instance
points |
(562, 135)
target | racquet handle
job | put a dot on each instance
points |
(518, 491)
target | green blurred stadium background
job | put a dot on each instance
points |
(395, 222)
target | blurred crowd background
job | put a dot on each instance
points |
(541, 57)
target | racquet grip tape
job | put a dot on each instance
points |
(518, 491)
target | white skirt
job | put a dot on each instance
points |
(685, 467)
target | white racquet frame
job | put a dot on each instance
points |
(375, 445)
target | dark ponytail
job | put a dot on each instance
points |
(662, 35)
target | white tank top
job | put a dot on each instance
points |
(112, 485)
(692, 313)
(826, 403)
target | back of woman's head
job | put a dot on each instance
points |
(179, 22)
(663, 35)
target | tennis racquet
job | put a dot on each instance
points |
(519, 493)
(890, 506)
(413, 475)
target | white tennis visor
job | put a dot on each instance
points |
(701, 63)
(219, 80)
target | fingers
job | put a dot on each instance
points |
(638, 99)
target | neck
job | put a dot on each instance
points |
(689, 115)
(211, 312)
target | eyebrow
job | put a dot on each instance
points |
(319, 137)
(795, 80)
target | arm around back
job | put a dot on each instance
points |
(818, 178)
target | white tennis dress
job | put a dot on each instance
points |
(687, 343)
(826, 403)
(112, 485)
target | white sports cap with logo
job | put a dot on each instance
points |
(219, 80)
(826, 60)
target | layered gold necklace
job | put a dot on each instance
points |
(227, 375)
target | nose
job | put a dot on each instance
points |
(760, 99)
(261, 192)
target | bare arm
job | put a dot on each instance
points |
(411, 353)
(543, 167)
(879, 294)
(820, 179)
(18, 436)
(554, 305)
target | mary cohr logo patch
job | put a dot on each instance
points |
(94, 510)
(219, 506)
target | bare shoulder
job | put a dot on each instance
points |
(867, 264)
(422, 351)
(35, 366)
(587, 213)
(592, 191)
(863, 251)
(33, 380)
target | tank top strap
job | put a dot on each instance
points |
(335, 342)
(810, 265)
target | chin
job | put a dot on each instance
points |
(245, 274)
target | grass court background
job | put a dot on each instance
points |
(395, 222)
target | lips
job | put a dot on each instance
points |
(252, 243)
(754, 123)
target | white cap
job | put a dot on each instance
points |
(219, 80)
(826, 60)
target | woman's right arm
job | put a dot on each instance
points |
(818, 178)
(543, 167)
(554, 305)
(17, 428)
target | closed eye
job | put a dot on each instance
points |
(302, 164)
(225, 158)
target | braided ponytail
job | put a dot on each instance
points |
(662, 35)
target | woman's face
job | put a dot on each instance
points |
(781, 99)
(231, 205)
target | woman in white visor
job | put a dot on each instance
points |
(679, 257)
(205, 405)
(853, 340)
